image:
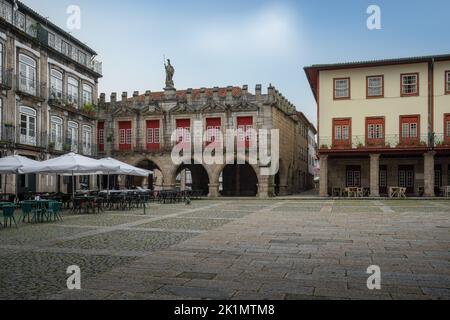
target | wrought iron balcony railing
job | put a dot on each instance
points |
(28, 86)
(386, 142)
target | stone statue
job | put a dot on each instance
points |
(170, 72)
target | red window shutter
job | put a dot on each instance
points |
(409, 130)
(153, 135)
(213, 126)
(125, 134)
(101, 136)
(184, 130)
(447, 129)
(244, 124)
(342, 133)
(375, 131)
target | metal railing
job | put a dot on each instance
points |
(29, 86)
(387, 142)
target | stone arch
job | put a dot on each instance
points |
(238, 179)
(155, 181)
(199, 175)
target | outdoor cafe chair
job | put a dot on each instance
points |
(8, 215)
(54, 211)
(27, 210)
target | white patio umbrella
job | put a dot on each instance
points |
(70, 164)
(12, 164)
(125, 169)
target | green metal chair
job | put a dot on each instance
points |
(27, 210)
(8, 215)
(54, 211)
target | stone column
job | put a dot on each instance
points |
(263, 187)
(429, 174)
(213, 190)
(374, 175)
(323, 175)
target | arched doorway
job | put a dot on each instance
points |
(192, 177)
(238, 181)
(154, 181)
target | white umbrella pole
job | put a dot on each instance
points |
(73, 187)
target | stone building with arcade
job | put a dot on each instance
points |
(138, 130)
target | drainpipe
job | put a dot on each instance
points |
(431, 134)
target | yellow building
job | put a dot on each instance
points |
(384, 124)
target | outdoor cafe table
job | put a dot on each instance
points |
(397, 192)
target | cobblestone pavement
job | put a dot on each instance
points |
(240, 249)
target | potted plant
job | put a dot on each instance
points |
(67, 147)
(51, 146)
(9, 125)
(89, 109)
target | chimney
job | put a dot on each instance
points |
(113, 97)
(229, 93)
(216, 94)
(189, 96)
(258, 91)
(124, 96)
(102, 98)
(135, 97)
(203, 94)
(148, 97)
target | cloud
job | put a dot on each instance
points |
(271, 31)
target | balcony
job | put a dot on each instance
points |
(29, 87)
(386, 144)
(71, 103)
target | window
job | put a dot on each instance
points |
(125, 135)
(375, 86)
(28, 126)
(447, 128)
(6, 10)
(87, 140)
(245, 129)
(51, 40)
(213, 129)
(73, 136)
(66, 48)
(72, 91)
(82, 57)
(56, 133)
(27, 75)
(353, 177)
(447, 82)
(375, 131)
(341, 132)
(19, 20)
(56, 84)
(410, 130)
(410, 84)
(342, 88)
(153, 135)
(87, 94)
(101, 136)
(183, 130)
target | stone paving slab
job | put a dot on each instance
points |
(240, 249)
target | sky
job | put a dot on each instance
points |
(234, 42)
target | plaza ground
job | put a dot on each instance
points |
(236, 249)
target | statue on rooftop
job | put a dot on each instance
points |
(170, 72)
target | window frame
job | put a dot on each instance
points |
(409, 139)
(376, 122)
(447, 128)
(338, 139)
(415, 94)
(76, 126)
(447, 82)
(381, 95)
(58, 121)
(29, 113)
(348, 97)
